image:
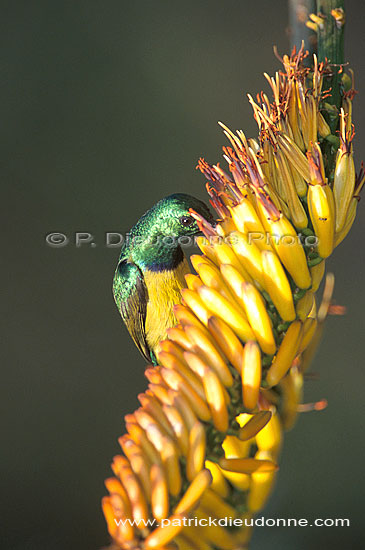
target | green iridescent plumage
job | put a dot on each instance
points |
(152, 250)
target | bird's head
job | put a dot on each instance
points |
(160, 231)
(173, 216)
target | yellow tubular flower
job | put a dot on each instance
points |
(258, 317)
(177, 382)
(321, 204)
(269, 437)
(163, 535)
(247, 221)
(344, 182)
(309, 329)
(261, 485)
(292, 386)
(113, 510)
(317, 272)
(204, 345)
(323, 129)
(194, 492)
(211, 277)
(214, 504)
(304, 305)
(249, 254)
(215, 535)
(219, 484)
(206, 249)
(214, 391)
(229, 378)
(350, 218)
(192, 281)
(226, 255)
(288, 349)
(289, 249)
(296, 209)
(160, 494)
(295, 156)
(234, 447)
(196, 304)
(277, 285)
(233, 278)
(196, 453)
(254, 425)
(321, 209)
(225, 310)
(247, 465)
(227, 341)
(299, 182)
(251, 374)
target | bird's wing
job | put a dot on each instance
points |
(131, 296)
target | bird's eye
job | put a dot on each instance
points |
(186, 221)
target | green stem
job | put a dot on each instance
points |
(299, 11)
(330, 44)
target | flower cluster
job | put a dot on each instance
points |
(206, 438)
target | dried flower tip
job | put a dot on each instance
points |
(340, 17)
(204, 226)
(317, 406)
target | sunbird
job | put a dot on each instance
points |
(152, 266)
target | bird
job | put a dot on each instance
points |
(151, 268)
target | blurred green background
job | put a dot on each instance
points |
(105, 108)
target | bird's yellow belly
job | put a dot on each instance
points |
(163, 293)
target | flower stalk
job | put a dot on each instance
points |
(331, 20)
(299, 11)
(205, 442)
